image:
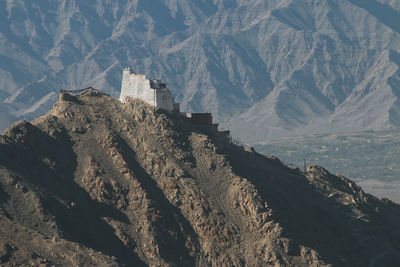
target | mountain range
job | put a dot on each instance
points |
(265, 69)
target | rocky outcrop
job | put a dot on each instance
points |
(98, 182)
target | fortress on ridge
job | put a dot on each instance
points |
(156, 93)
(151, 91)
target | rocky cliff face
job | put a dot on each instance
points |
(264, 68)
(99, 182)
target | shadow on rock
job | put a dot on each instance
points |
(50, 163)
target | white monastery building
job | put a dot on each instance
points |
(156, 93)
(151, 91)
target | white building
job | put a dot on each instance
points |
(153, 92)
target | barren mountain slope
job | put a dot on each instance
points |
(100, 182)
(264, 68)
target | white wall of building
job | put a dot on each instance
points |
(138, 86)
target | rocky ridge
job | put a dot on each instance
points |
(97, 182)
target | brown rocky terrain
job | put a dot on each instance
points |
(97, 182)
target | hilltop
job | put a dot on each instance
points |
(95, 181)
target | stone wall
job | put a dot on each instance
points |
(164, 99)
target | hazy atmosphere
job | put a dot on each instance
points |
(265, 69)
(306, 95)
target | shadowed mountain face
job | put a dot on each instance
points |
(97, 182)
(265, 68)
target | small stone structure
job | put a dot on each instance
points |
(200, 118)
(70, 95)
(151, 91)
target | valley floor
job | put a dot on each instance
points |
(370, 158)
